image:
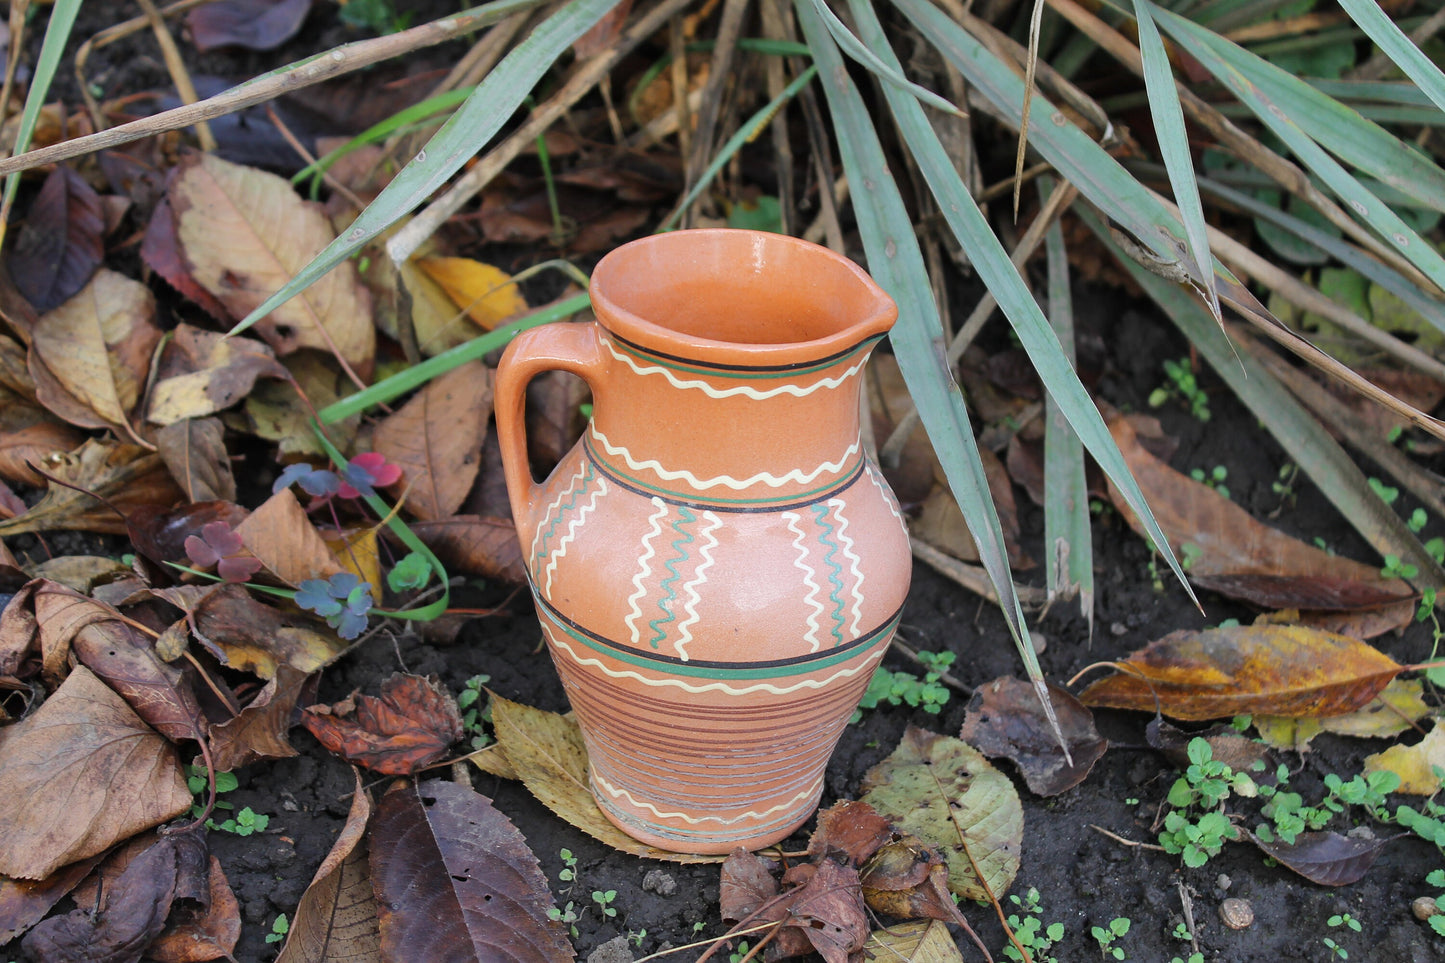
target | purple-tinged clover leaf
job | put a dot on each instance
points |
(343, 601)
(222, 547)
(317, 482)
(366, 473)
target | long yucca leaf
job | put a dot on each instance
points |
(1398, 47)
(1168, 117)
(896, 261)
(1068, 545)
(1308, 444)
(474, 123)
(860, 52)
(1003, 280)
(52, 49)
(1228, 64)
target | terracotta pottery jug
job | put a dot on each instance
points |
(717, 566)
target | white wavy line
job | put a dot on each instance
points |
(617, 793)
(748, 392)
(541, 524)
(702, 484)
(812, 597)
(866, 665)
(645, 570)
(875, 476)
(846, 543)
(684, 627)
(571, 535)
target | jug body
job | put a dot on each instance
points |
(717, 566)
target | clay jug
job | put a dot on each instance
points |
(717, 565)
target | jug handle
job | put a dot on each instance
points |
(572, 347)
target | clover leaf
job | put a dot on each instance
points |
(409, 574)
(220, 546)
(342, 600)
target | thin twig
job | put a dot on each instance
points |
(109, 36)
(304, 73)
(310, 158)
(1127, 842)
(584, 77)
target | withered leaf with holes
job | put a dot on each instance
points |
(1005, 718)
(410, 726)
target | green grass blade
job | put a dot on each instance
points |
(1224, 60)
(896, 261)
(1302, 437)
(1398, 47)
(1168, 118)
(489, 107)
(844, 38)
(1372, 91)
(1068, 542)
(745, 133)
(52, 50)
(1388, 278)
(1008, 288)
(419, 374)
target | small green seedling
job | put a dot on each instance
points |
(1387, 493)
(1030, 932)
(411, 573)
(1106, 938)
(1181, 932)
(1283, 485)
(1340, 919)
(1417, 521)
(1203, 788)
(604, 901)
(637, 937)
(569, 866)
(1182, 385)
(1189, 553)
(1394, 568)
(1193, 958)
(568, 916)
(475, 712)
(279, 928)
(737, 955)
(900, 688)
(1214, 479)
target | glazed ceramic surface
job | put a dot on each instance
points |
(717, 565)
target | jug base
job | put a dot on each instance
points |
(705, 843)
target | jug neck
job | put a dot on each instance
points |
(726, 435)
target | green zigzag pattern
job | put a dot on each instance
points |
(679, 546)
(835, 572)
(542, 550)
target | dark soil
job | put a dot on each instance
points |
(1084, 877)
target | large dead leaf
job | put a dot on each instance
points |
(437, 438)
(259, 730)
(946, 793)
(909, 880)
(128, 663)
(336, 920)
(253, 637)
(1005, 718)
(1233, 554)
(23, 903)
(196, 933)
(61, 613)
(90, 355)
(1415, 765)
(281, 535)
(133, 907)
(127, 476)
(1281, 670)
(1390, 713)
(916, 942)
(81, 773)
(454, 877)
(547, 752)
(1328, 859)
(255, 24)
(487, 294)
(29, 433)
(276, 413)
(245, 233)
(59, 244)
(476, 545)
(202, 372)
(194, 450)
(410, 726)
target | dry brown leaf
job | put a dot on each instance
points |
(23, 903)
(29, 433)
(195, 934)
(259, 730)
(277, 414)
(245, 233)
(253, 637)
(81, 572)
(194, 450)
(487, 294)
(128, 476)
(14, 363)
(81, 773)
(1005, 718)
(1244, 669)
(202, 372)
(280, 534)
(437, 438)
(60, 614)
(916, 942)
(97, 346)
(476, 545)
(408, 727)
(336, 920)
(1237, 554)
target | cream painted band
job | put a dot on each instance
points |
(616, 793)
(796, 391)
(863, 666)
(796, 476)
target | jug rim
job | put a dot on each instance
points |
(876, 317)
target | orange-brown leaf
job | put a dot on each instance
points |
(411, 725)
(280, 534)
(1278, 670)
